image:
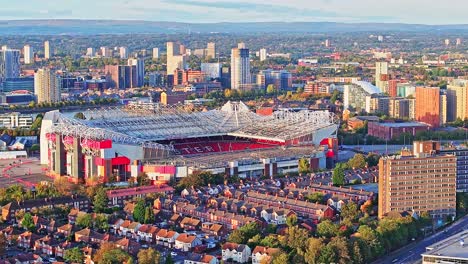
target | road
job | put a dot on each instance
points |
(411, 254)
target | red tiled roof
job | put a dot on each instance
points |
(138, 191)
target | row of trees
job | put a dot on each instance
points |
(335, 242)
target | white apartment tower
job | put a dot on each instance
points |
(28, 54)
(47, 86)
(123, 52)
(381, 75)
(240, 67)
(47, 50)
(155, 53)
(263, 54)
(140, 70)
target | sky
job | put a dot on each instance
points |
(205, 11)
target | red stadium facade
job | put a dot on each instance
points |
(169, 143)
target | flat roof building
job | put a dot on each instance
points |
(389, 131)
(418, 182)
(451, 250)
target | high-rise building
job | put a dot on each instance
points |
(90, 52)
(281, 80)
(327, 43)
(457, 100)
(355, 95)
(380, 38)
(182, 49)
(418, 182)
(392, 88)
(155, 53)
(175, 60)
(211, 50)
(381, 75)
(140, 70)
(156, 79)
(240, 67)
(459, 41)
(9, 64)
(212, 70)
(106, 52)
(123, 52)
(428, 105)
(47, 50)
(447, 42)
(121, 76)
(263, 54)
(47, 86)
(28, 54)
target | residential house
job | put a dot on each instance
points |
(236, 252)
(10, 233)
(73, 215)
(128, 245)
(46, 245)
(66, 230)
(263, 254)
(119, 196)
(9, 210)
(147, 233)
(186, 242)
(189, 223)
(62, 247)
(166, 238)
(194, 258)
(27, 240)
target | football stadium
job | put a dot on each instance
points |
(170, 142)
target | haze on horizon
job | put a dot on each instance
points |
(206, 11)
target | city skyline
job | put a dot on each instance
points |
(208, 11)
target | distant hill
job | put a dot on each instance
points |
(89, 27)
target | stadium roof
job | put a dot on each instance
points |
(368, 87)
(140, 126)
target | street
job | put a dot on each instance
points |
(411, 254)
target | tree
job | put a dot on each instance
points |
(84, 220)
(350, 211)
(143, 179)
(101, 221)
(316, 197)
(304, 165)
(327, 255)
(327, 229)
(357, 162)
(148, 256)
(28, 222)
(313, 250)
(280, 258)
(338, 177)
(80, 115)
(371, 238)
(100, 200)
(270, 89)
(341, 249)
(149, 215)
(291, 220)
(244, 233)
(372, 160)
(296, 238)
(169, 259)
(139, 211)
(74, 255)
(116, 256)
(104, 248)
